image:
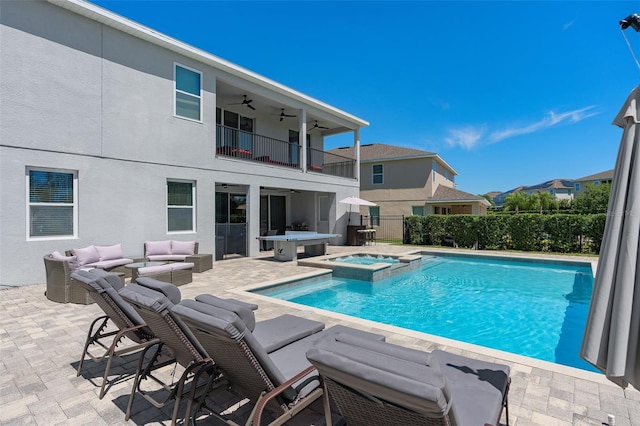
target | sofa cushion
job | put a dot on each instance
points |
(183, 247)
(157, 247)
(86, 255)
(167, 257)
(152, 270)
(72, 261)
(180, 266)
(108, 264)
(110, 252)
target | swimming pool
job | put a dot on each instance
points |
(536, 309)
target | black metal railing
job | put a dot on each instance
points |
(389, 229)
(250, 146)
(236, 143)
(331, 164)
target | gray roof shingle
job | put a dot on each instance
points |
(381, 151)
(444, 193)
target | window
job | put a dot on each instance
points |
(238, 131)
(188, 93)
(434, 168)
(181, 206)
(378, 174)
(51, 198)
(577, 187)
(374, 213)
(417, 210)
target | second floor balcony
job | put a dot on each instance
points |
(248, 146)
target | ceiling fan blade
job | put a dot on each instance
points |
(251, 106)
(281, 117)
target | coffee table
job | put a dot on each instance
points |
(137, 265)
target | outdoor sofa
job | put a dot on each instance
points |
(110, 258)
(178, 251)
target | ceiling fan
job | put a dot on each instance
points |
(246, 102)
(283, 115)
(317, 126)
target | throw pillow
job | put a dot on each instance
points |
(86, 255)
(183, 247)
(110, 252)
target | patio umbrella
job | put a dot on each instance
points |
(355, 201)
(612, 334)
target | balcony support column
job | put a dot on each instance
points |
(302, 138)
(356, 149)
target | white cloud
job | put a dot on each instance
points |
(568, 25)
(552, 119)
(469, 137)
(466, 137)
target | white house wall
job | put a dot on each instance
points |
(80, 96)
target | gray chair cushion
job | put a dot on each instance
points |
(407, 354)
(153, 300)
(170, 290)
(240, 309)
(415, 387)
(212, 300)
(477, 387)
(89, 279)
(113, 279)
(93, 282)
(278, 332)
(226, 324)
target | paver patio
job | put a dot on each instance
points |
(40, 343)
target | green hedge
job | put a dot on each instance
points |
(558, 233)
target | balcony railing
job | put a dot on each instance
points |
(263, 149)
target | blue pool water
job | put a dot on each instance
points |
(365, 259)
(523, 307)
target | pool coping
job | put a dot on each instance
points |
(446, 342)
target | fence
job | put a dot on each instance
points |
(389, 229)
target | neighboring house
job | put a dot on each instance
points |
(114, 133)
(595, 179)
(404, 181)
(559, 188)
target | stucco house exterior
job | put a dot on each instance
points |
(594, 179)
(405, 181)
(560, 189)
(111, 132)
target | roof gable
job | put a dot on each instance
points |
(444, 193)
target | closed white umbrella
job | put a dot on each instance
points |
(355, 201)
(612, 335)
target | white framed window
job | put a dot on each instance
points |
(434, 169)
(377, 173)
(417, 210)
(188, 93)
(52, 196)
(181, 206)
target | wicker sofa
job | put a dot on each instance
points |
(110, 258)
(61, 287)
(178, 251)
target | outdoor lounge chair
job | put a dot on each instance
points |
(103, 288)
(282, 381)
(200, 370)
(380, 383)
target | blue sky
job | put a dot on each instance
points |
(508, 93)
